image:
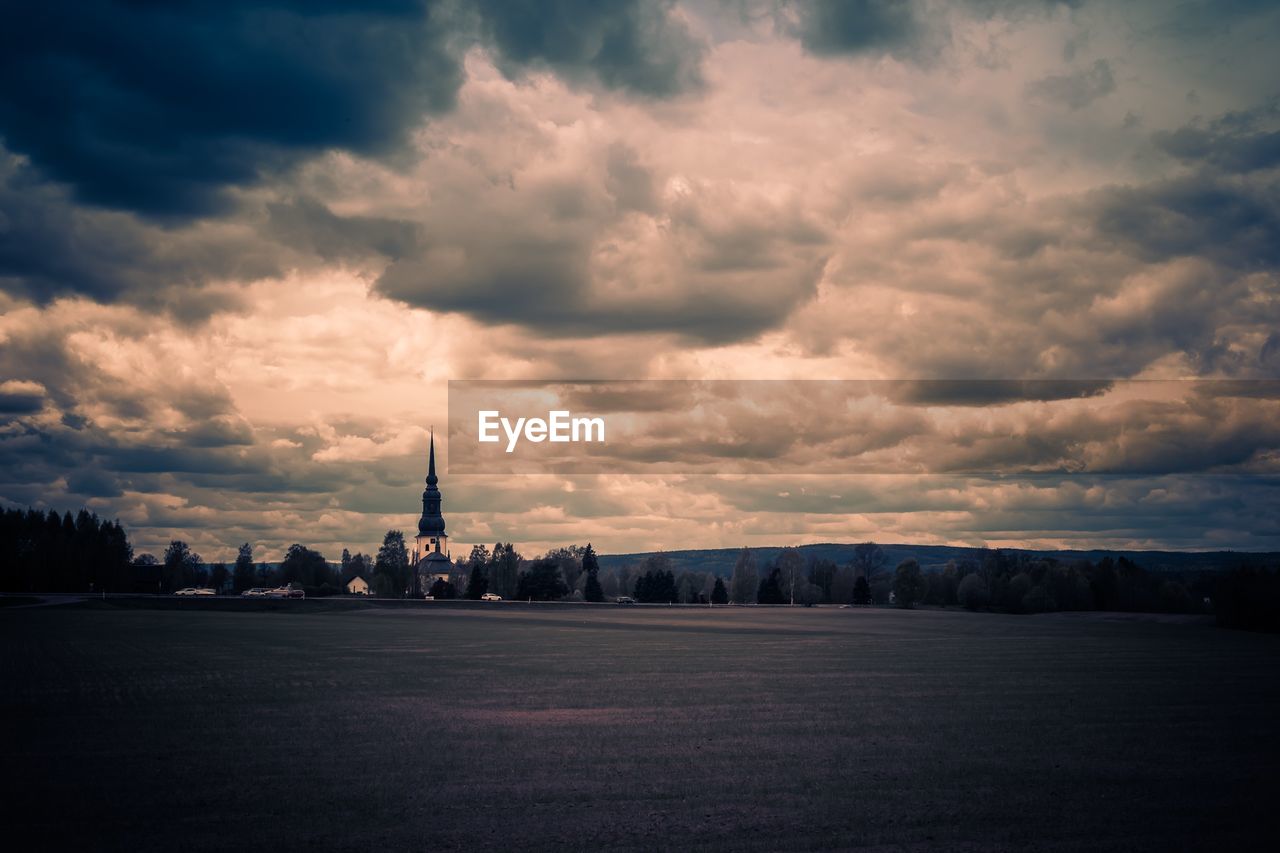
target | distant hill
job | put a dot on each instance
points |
(935, 557)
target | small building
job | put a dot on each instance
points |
(357, 586)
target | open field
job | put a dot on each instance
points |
(514, 727)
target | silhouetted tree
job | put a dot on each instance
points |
(868, 560)
(570, 560)
(180, 566)
(657, 586)
(591, 591)
(719, 595)
(861, 591)
(770, 591)
(504, 570)
(478, 584)
(242, 574)
(393, 562)
(47, 552)
(479, 556)
(308, 569)
(542, 582)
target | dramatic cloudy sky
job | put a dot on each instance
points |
(245, 245)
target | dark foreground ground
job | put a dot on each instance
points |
(587, 728)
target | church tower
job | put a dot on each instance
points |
(431, 538)
(431, 545)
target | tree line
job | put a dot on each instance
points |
(47, 552)
(44, 551)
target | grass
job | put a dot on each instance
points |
(510, 727)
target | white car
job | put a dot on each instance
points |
(256, 592)
(190, 590)
(490, 596)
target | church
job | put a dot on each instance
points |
(431, 546)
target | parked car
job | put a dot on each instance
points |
(490, 596)
(278, 592)
(205, 591)
(297, 592)
(625, 599)
(190, 590)
(256, 592)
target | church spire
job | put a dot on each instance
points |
(432, 479)
(432, 522)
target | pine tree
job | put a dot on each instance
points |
(771, 589)
(719, 595)
(592, 591)
(242, 574)
(478, 584)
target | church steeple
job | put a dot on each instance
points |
(431, 545)
(431, 526)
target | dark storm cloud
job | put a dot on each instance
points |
(1077, 89)
(1238, 143)
(143, 107)
(632, 45)
(828, 27)
(94, 484)
(1233, 222)
(906, 29)
(20, 398)
(51, 247)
